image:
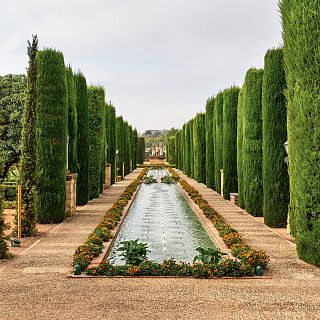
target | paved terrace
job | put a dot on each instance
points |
(34, 285)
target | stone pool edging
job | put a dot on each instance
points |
(207, 225)
(230, 236)
(93, 245)
(107, 246)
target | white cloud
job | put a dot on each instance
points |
(158, 59)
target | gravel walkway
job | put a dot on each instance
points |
(34, 285)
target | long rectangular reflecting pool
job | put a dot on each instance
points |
(161, 217)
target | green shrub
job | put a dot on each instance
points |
(240, 148)
(218, 140)
(72, 122)
(252, 142)
(4, 250)
(51, 136)
(96, 97)
(199, 134)
(301, 35)
(274, 119)
(230, 103)
(82, 139)
(210, 143)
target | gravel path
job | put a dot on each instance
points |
(34, 285)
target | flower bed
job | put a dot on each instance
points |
(225, 268)
(93, 245)
(230, 236)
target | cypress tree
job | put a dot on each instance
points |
(51, 136)
(72, 122)
(108, 130)
(135, 148)
(171, 141)
(218, 140)
(209, 143)
(252, 142)
(187, 150)
(28, 158)
(141, 150)
(182, 146)
(191, 149)
(301, 35)
(177, 149)
(103, 148)
(113, 143)
(274, 119)
(240, 148)
(199, 138)
(120, 144)
(96, 102)
(230, 102)
(82, 139)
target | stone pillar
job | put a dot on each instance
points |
(71, 197)
(123, 170)
(222, 182)
(130, 165)
(107, 177)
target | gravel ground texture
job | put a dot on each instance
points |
(34, 284)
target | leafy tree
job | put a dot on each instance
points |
(12, 100)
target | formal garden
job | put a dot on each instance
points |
(233, 195)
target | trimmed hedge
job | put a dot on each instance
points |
(230, 103)
(51, 136)
(182, 146)
(82, 139)
(120, 144)
(252, 142)
(177, 149)
(218, 140)
(28, 159)
(72, 122)
(187, 147)
(240, 148)
(210, 143)
(96, 97)
(199, 140)
(274, 119)
(191, 149)
(301, 35)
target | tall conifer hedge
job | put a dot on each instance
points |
(240, 148)
(187, 149)
(209, 143)
(230, 103)
(274, 118)
(51, 135)
(96, 96)
(120, 144)
(301, 35)
(199, 138)
(182, 146)
(113, 143)
(191, 148)
(82, 139)
(28, 157)
(218, 140)
(252, 142)
(72, 122)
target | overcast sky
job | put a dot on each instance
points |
(159, 60)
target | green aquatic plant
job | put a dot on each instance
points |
(208, 255)
(168, 180)
(133, 252)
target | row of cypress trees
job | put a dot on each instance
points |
(242, 132)
(66, 126)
